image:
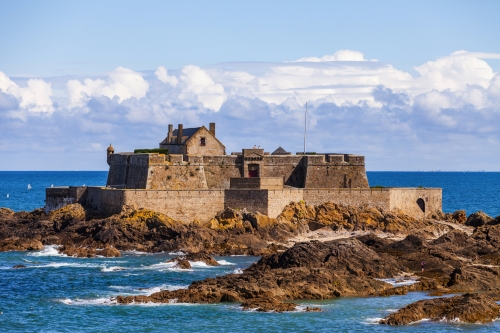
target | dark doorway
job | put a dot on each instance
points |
(421, 204)
(253, 170)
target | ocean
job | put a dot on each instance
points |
(56, 293)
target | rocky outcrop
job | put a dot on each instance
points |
(468, 308)
(478, 219)
(312, 270)
(20, 244)
(86, 252)
(268, 304)
(350, 218)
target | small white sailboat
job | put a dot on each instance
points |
(29, 186)
(8, 195)
(52, 185)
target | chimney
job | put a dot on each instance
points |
(179, 134)
(212, 128)
(170, 130)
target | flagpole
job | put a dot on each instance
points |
(305, 129)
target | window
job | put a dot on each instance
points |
(202, 141)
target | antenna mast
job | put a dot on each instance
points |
(305, 129)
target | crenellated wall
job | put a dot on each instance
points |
(178, 172)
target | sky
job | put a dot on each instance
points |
(410, 85)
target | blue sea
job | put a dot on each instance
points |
(56, 293)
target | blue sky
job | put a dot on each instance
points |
(413, 86)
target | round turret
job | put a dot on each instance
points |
(109, 152)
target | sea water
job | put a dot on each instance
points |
(56, 293)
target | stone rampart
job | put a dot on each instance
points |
(350, 197)
(202, 205)
(418, 202)
(57, 197)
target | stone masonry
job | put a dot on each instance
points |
(196, 179)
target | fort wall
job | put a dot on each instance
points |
(380, 198)
(418, 202)
(202, 205)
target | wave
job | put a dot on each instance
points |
(372, 321)
(178, 253)
(238, 271)
(48, 251)
(64, 264)
(91, 301)
(112, 269)
(129, 290)
(137, 253)
(224, 262)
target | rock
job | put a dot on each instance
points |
(19, 266)
(183, 264)
(20, 244)
(312, 270)
(468, 308)
(108, 252)
(66, 216)
(79, 252)
(89, 252)
(478, 219)
(309, 309)
(267, 304)
(203, 257)
(6, 213)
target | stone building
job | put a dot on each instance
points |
(197, 141)
(196, 179)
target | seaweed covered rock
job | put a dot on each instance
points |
(20, 244)
(88, 252)
(314, 270)
(267, 304)
(467, 308)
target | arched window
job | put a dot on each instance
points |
(421, 204)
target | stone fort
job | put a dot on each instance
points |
(191, 178)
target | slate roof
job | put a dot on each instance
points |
(187, 133)
(280, 151)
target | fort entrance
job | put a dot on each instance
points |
(253, 170)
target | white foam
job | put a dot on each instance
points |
(92, 301)
(66, 301)
(112, 269)
(238, 271)
(48, 251)
(178, 253)
(64, 264)
(224, 262)
(200, 264)
(372, 321)
(135, 252)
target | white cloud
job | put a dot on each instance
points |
(162, 75)
(341, 55)
(454, 72)
(36, 97)
(197, 83)
(427, 121)
(122, 83)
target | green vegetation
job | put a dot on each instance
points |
(377, 186)
(163, 151)
(420, 186)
